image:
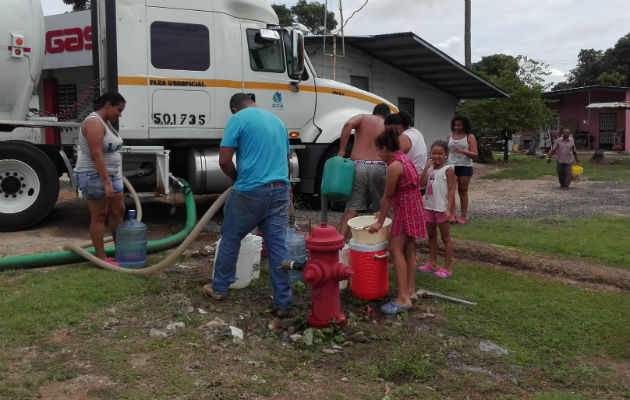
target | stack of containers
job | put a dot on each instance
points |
(368, 259)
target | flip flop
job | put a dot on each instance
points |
(442, 273)
(461, 220)
(453, 218)
(111, 261)
(393, 308)
(426, 268)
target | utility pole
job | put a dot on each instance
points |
(467, 34)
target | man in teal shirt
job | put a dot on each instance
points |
(260, 196)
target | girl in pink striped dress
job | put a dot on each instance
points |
(402, 193)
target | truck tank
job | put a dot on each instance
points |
(22, 55)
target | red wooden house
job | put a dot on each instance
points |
(598, 116)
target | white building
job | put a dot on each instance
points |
(407, 71)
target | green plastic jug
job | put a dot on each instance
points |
(337, 179)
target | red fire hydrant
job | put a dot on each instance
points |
(323, 272)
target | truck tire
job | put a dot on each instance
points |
(29, 185)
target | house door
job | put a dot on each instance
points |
(607, 127)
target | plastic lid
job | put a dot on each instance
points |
(132, 213)
(367, 248)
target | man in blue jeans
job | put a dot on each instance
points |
(260, 196)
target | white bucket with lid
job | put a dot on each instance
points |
(248, 262)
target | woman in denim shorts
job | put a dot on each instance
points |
(98, 168)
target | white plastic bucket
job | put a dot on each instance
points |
(248, 262)
(364, 236)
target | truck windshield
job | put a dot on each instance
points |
(264, 55)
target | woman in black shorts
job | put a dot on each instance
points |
(462, 148)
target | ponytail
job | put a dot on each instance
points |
(388, 139)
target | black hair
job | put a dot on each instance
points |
(440, 143)
(464, 120)
(393, 119)
(381, 109)
(402, 118)
(238, 100)
(388, 139)
(114, 98)
(406, 118)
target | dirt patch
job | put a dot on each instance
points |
(574, 271)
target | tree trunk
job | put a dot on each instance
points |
(533, 146)
(598, 156)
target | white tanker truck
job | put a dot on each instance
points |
(177, 64)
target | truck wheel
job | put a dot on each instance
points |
(29, 185)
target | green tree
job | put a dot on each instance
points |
(311, 15)
(284, 14)
(78, 5)
(520, 77)
(597, 67)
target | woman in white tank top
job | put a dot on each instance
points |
(98, 169)
(462, 148)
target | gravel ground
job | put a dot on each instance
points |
(543, 198)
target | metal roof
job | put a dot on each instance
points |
(614, 105)
(560, 93)
(408, 52)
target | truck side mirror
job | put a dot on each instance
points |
(267, 35)
(297, 55)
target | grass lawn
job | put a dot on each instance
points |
(602, 239)
(615, 168)
(563, 342)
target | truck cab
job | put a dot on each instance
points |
(177, 64)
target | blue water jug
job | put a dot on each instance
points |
(131, 243)
(297, 252)
(337, 178)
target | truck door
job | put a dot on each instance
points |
(268, 74)
(181, 86)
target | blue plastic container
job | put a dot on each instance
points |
(337, 178)
(131, 243)
(297, 252)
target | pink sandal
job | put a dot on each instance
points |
(461, 220)
(442, 273)
(111, 261)
(426, 268)
(453, 218)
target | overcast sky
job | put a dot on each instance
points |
(552, 31)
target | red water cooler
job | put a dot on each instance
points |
(369, 263)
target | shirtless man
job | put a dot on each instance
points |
(369, 170)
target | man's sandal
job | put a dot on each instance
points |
(207, 289)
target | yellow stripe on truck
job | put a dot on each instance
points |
(134, 81)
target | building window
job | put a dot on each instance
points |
(607, 128)
(408, 105)
(554, 125)
(361, 82)
(180, 46)
(66, 99)
(264, 54)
